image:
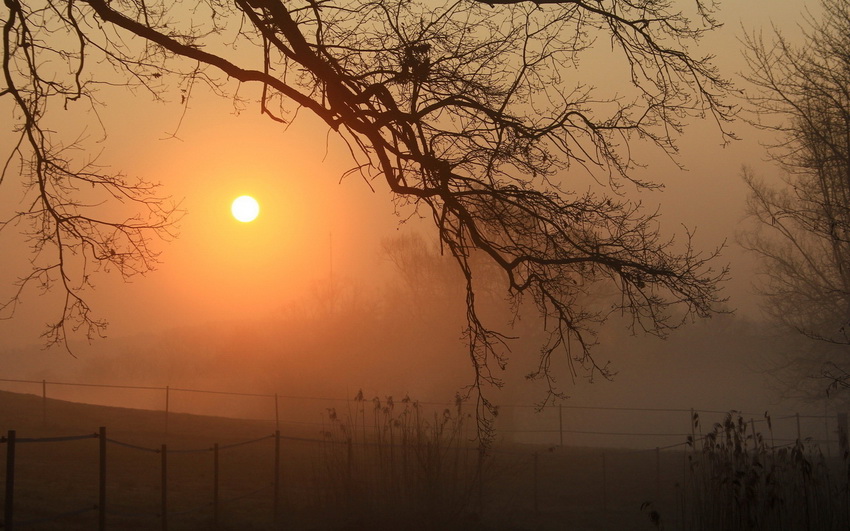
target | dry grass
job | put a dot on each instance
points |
(739, 480)
(405, 467)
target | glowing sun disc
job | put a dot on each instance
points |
(245, 208)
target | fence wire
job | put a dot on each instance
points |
(529, 431)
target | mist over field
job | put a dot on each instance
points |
(402, 339)
(307, 301)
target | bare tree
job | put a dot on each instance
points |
(802, 232)
(471, 112)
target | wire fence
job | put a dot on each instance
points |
(609, 480)
(645, 455)
(101, 507)
(357, 454)
(556, 424)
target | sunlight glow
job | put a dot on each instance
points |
(245, 208)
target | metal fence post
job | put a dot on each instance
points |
(604, 485)
(276, 414)
(9, 505)
(166, 409)
(693, 422)
(561, 423)
(215, 484)
(536, 503)
(101, 506)
(164, 501)
(843, 447)
(657, 474)
(276, 475)
(44, 402)
(480, 481)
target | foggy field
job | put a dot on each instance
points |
(402, 479)
(55, 478)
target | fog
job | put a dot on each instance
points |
(402, 339)
(307, 303)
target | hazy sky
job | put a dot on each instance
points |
(220, 269)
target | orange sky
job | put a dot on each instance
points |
(220, 269)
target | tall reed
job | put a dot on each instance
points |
(392, 465)
(737, 480)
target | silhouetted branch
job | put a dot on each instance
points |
(467, 108)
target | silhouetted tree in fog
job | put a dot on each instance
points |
(802, 234)
(472, 113)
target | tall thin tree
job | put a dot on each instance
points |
(802, 230)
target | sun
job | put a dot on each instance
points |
(245, 208)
